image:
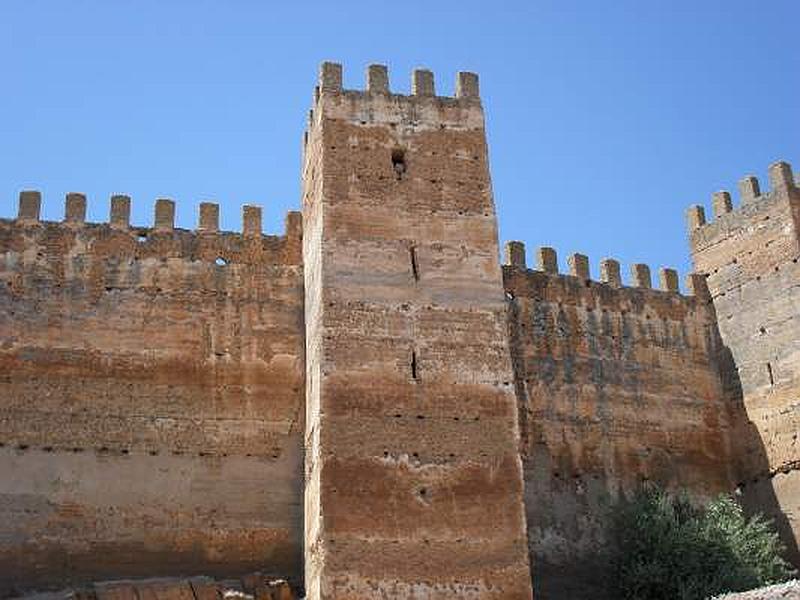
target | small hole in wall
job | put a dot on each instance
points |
(770, 375)
(220, 262)
(399, 162)
(141, 236)
(414, 374)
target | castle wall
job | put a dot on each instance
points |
(151, 399)
(414, 480)
(617, 386)
(356, 397)
(750, 255)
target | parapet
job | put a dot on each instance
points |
(207, 232)
(782, 185)
(378, 103)
(377, 81)
(610, 272)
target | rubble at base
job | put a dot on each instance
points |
(249, 587)
(782, 591)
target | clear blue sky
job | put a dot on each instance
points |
(605, 118)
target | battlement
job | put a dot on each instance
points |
(205, 242)
(378, 104)
(753, 205)
(377, 82)
(610, 272)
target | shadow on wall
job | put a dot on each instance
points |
(568, 515)
(597, 421)
(755, 476)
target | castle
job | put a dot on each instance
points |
(373, 404)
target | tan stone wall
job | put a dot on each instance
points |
(414, 479)
(616, 386)
(151, 400)
(750, 256)
(152, 380)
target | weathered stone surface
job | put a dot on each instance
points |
(750, 256)
(616, 386)
(782, 591)
(151, 402)
(413, 478)
(161, 389)
(255, 586)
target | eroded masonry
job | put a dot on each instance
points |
(373, 404)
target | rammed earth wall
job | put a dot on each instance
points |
(616, 386)
(371, 402)
(152, 399)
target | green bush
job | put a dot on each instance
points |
(664, 547)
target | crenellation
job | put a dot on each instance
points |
(30, 203)
(721, 203)
(467, 85)
(695, 217)
(251, 221)
(515, 255)
(164, 219)
(610, 272)
(668, 289)
(330, 78)
(754, 202)
(547, 260)
(75, 209)
(640, 276)
(118, 241)
(422, 90)
(377, 79)
(208, 220)
(749, 190)
(579, 266)
(120, 214)
(422, 83)
(780, 177)
(293, 225)
(668, 280)
(697, 286)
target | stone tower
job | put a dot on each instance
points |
(413, 478)
(749, 255)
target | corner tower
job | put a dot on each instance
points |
(413, 478)
(749, 255)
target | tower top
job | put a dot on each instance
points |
(377, 82)
(421, 109)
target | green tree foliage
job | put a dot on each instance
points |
(667, 548)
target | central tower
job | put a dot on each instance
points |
(414, 483)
